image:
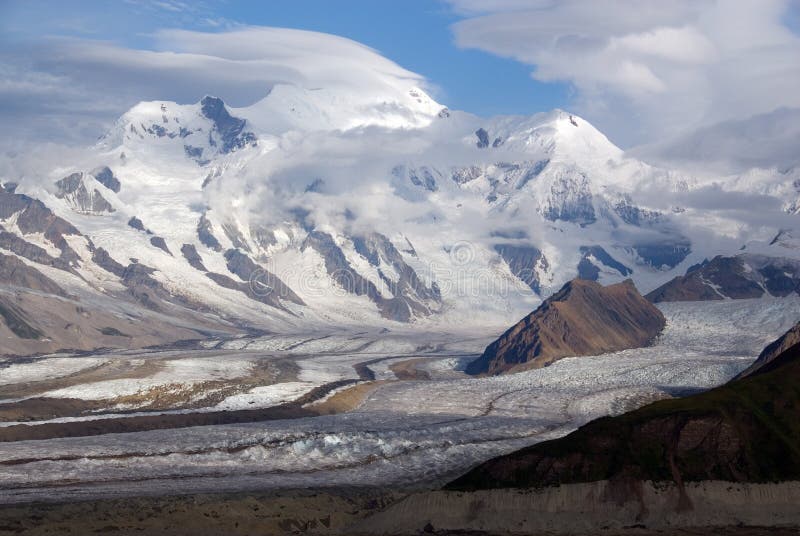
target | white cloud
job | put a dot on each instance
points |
(60, 89)
(644, 71)
(767, 140)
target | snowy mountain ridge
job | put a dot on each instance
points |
(328, 207)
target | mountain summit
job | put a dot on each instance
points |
(367, 204)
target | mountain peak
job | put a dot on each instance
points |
(556, 132)
(198, 131)
(583, 318)
(213, 107)
(335, 107)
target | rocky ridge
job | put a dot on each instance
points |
(583, 318)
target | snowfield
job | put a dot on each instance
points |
(405, 433)
(12, 372)
(178, 372)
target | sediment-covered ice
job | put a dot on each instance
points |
(405, 433)
(266, 396)
(13, 371)
(175, 373)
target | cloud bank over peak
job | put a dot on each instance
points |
(299, 56)
(83, 85)
(644, 71)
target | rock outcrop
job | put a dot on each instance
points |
(80, 197)
(583, 318)
(409, 295)
(161, 244)
(194, 259)
(595, 258)
(106, 177)
(15, 273)
(525, 262)
(740, 277)
(231, 129)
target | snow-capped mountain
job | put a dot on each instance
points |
(321, 206)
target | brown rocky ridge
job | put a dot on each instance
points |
(583, 318)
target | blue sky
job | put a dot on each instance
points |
(413, 33)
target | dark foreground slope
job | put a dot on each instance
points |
(583, 318)
(768, 358)
(745, 431)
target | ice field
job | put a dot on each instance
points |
(405, 433)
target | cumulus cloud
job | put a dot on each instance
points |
(768, 140)
(62, 89)
(646, 71)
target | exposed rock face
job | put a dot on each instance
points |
(193, 257)
(17, 321)
(195, 153)
(206, 235)
(14, 272)
(263, 236)
(592, 255)
(103, 259)
(137, 224)
(148, 291)
(663, 256)
(260, 280)
(32, 252)
(743, 276)
(583, 318)
(410, 295)
(34, 217)
(570, 199)
(145, 289)
(483, 138)
(9, 187)
(256, 290)
(38, 315)
(230, 129)
(381, 253)
(525, 262)
(633, 215)
(348, 278)
(423, 177)
(81, 198)
(236, 237)
(161, 244)
(745, 431)
(106, 177)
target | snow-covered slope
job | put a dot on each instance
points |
(322, 205)
(290, 107)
